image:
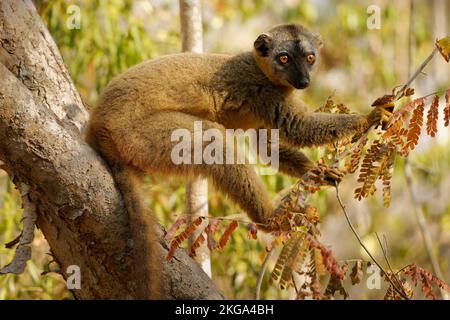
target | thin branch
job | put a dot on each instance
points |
(400, 292)
(383, 249)
(262, 272)
(423, 227)
(417, 72)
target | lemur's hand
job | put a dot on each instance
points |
(378, 115)
(375, 116)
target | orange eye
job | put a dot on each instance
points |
(311, 58)
(284, 59)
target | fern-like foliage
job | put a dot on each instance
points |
(447, 108)
(352, 162)
(179, 239)
(205, 234)
(400, 137)
(432, 117)
(226, 235)
(414, 127)
(302, 252)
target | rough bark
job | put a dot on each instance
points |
(80, 211)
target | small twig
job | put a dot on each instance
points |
(262, 272)
(403, 269)
(435, 93)
(417, 72)
(383, 249)
(400, 292)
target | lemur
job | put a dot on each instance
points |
(139, 109)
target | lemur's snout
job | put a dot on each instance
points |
(303, 83)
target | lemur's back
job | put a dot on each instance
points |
(178, 82)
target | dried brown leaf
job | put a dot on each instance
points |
(174, 227)
(226, 235)
(357, 273)
(432, 117)
(178, 240)
(197, 243)
(353, 160)
(335, 284)
(415, 127)
(447, 108)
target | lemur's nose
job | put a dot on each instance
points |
(304, 83)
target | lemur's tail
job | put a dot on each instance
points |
(147, 253)
(146, 250)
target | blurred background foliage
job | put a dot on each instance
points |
(357, 65)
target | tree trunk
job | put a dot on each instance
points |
(80, 211)
(197, 188)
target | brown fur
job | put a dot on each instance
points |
(137, 112)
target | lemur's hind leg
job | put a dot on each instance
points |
(147, 146)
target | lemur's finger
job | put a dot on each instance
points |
(334, 175)
(386, 115)
(385, 118)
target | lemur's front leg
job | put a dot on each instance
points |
(299, 128)
(306, 129)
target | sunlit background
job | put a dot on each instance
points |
(357, 65)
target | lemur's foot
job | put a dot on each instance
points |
(333, 175)
(324, 175)
(274, 222)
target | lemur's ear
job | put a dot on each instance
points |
(263, 44)
(318, 40)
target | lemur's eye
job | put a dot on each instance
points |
(283, 58)
(310, 58)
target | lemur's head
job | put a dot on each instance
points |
(286, 54)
